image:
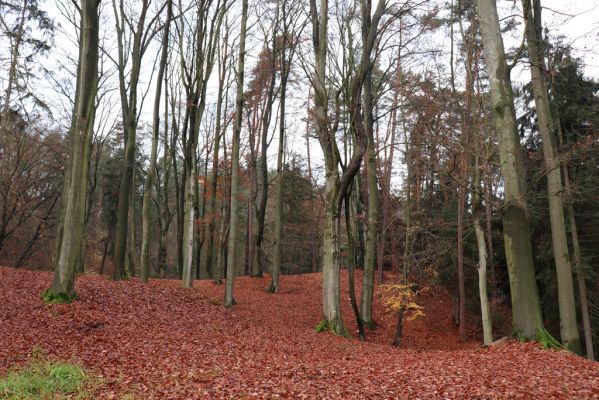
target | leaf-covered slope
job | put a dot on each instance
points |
(161, 341)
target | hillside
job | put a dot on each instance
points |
(160, 341)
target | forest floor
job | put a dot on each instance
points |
(160, 341)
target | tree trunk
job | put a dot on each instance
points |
(482, 283)
(460, 261)
(526, 308)
(213, 183)
(234, 211)
(331, 304)
(565, 285)
(128, 94)
(73, 204)
(189, 225)
(276, 264)
(131, 241)
(147, 200)
(580, 273)
(373, 210)
(351, 229)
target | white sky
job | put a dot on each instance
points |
(578, 20)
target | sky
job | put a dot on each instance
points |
(577, 20)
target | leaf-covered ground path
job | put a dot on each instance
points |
(160, 341)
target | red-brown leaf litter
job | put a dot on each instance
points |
(160, 341)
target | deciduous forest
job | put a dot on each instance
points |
(327, 199)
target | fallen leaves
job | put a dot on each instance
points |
(160, 341)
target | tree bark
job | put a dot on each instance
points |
(128, 95)
(147, 200)
(580, 272)
(526, 308)
(213, 183)
(373, 209)
(234, 211)
(565, 286)
(73, 204)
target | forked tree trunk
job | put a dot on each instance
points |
(206, 33)
(73, 204)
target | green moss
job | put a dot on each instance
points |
(322, 326)
(58, 298)
(325, 325)
(543, 337)
(44, 380)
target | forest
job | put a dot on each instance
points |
(299, 199)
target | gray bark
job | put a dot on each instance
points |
(526, 309)
(128, 93)
(147, 200)
(373, 209)
(73, 204)
(232, 245)
(565, 286)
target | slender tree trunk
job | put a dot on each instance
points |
(131, 240)
(213, 183)
(189, 224)
(147, 200)
(481, 244)
(234, 212)
(581, 277)
(580, 272)
(482, 282)
(128, 93)
(165, 214)
(73, 204)
(276, 265)
(373, 209)
(460, 262)
(12, 70)
(565, 285)
(350, 227)
(526, 308)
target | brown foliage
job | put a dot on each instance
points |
(161, 341)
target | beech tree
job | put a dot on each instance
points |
(546, 125)
(145, 246)
(234, 211)
(142, 34)
(526, 307)
(338, 185)
(70, 231)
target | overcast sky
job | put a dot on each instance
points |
(578, 20)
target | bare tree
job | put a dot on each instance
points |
(234, 211)
(75, 188)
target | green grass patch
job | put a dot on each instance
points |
(44, 380)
